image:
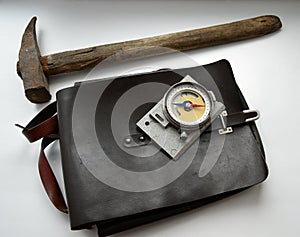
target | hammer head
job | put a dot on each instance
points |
(30, 68)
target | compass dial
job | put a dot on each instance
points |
(187, 105)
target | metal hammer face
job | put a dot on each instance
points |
(30, 68)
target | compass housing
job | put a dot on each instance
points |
(187, 105)
(181, 116)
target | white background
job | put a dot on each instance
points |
(267, 70)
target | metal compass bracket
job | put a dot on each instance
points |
(175, 140)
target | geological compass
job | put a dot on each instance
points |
(179, 118)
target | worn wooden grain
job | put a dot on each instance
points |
(76, 60)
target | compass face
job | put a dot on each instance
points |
(187, 105)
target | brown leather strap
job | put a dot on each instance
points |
(48, 178)
(45, 125)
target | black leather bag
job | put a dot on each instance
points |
(118, 188)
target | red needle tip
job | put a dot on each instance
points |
(196, 105)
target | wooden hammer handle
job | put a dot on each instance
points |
(76, 60)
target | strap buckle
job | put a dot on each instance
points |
(224, 129)
(247, 116)
(253, 118)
